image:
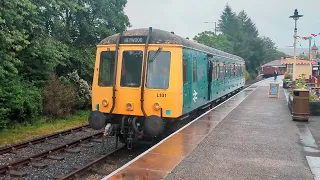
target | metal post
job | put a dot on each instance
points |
(295, 17)
(310, 49)
(294, 51)
(215, 28)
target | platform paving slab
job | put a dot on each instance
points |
(251, 138)
(257, 140)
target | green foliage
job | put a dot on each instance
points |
(216, 41)
(314, 95)
(242, 33)
(20, 100)
(300, 83)
(303, 56)
(39, 38)
(60, 99)
(15, 23)
(83, 89)
(41, 58)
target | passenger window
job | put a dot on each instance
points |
(106, 69)
(226, 70)
(214, 70)
(185, 70)
(222, 69)
(131, 69)
(194, 73)
(158, 70)
(217, 70)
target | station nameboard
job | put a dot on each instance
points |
(274, 89)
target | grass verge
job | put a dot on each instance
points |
(41, 127)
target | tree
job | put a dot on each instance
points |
(242, 32)
(229, 24)
(303, 56)
(246, 25)
(41, 38)
(210, 39)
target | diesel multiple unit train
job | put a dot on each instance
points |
(145, 79)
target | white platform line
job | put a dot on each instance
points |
(142, 154)
(314, 164)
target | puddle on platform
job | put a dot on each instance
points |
(311, 150)
(306, 136)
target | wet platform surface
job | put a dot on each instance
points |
(250, 136)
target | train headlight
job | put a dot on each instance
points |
(156, 106)
(129, 106)
(105, 103)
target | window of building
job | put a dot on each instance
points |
(106, 69)
(158, 74)
(131, 69)
(290, 68)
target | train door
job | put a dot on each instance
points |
(214, 79)
(187, 80)
(186, 84)
(199, 80)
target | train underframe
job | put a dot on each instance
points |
(130, 129)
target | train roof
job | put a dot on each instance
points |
(138, 36)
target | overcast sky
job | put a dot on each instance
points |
(186, 17)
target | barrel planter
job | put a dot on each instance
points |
(315, 108)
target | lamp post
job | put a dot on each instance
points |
(215, 26)
(295, 17)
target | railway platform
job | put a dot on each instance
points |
(249, 136)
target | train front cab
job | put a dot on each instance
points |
(162, 94)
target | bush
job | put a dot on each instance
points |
(20, 102)
(83, 89)
(60, 99)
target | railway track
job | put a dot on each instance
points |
(13, 147)
(65, 160)
(20, 159)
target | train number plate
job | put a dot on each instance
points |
(161, 95)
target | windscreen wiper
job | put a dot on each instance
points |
(155, 54)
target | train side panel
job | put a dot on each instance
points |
(227, 76)
(195, 84)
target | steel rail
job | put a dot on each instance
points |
(89, 165)
(7, 149)
(8, 167)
